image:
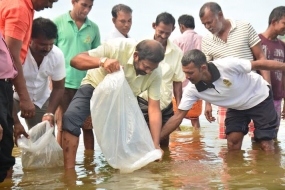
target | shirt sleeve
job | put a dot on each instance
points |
(253, 37)
(104, 50)
(188, 99)
(59, 70)
(154, 88)
(16, 23)
(179, 76)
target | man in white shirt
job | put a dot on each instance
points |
(43, 60)
(229, 83)
(122, 19)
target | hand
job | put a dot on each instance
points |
(111, 65)
(162, 153)
(27, 108)
(18, 131)
(208, 112)
(49, 118)
(1, 132)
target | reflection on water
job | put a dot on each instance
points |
(195, 159)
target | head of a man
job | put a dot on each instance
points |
(44, 32)
(277, 20)
(186, 22)
(147, 56)
(122, 18)
(194, 65)
(39, 5)
(212, 17)
(163, 26)
(81, 8)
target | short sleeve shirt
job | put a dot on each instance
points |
(16, 20)
(230, 90)
(122, 49)
(73, 41)
(37, 81)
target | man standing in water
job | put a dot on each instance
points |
(229, 82)
(77, 31)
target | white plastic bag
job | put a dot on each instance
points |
(119, 125)
(42, 149)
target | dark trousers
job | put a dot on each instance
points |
(6, 121)
(166, 113)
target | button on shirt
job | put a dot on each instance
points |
(7, 67)
(234, 86)
(37, 81)
(122, 49)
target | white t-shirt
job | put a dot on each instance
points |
(115, 34)
(235, 86)
(37, 81)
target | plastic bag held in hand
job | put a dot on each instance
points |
(119, 125)
(42, 149)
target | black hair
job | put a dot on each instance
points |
(44, 27)
(120, 7)
(165, 18)
(194, 56)
(276, 14)
(150, 50)
(187, 21)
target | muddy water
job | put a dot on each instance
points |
(195, 159)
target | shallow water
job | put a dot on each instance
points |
(195, 159)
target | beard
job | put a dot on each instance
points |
(137, 69)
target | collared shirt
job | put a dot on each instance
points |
(171, 67)
(115, 34)
(16, 20)
(7, 67)
(241, 38)
(233, 86)
(37, 81)
(122, 50)
(73, 41)
(188, 40)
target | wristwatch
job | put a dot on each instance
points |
(102, 61)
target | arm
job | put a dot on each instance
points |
(177, 91)
(259, 55)
(267, 65)
(18, 127)
(173, 123)
(54, 99)
(26, 105)
(84, 61)
(155, 120)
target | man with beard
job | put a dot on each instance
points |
(139, 63)
(43, 60)
(172, 74)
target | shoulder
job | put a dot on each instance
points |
(175, 48)
(60, 18)
(56, 53)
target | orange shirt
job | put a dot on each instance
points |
(16, 20)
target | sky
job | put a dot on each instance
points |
(145, 11)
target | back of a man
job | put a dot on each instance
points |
(228, 38)
(76, 34)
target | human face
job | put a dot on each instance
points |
(81, 8)
(279, 26)
(41, 46)
(143, 67)
(192, 73)
(123, 22)
(212, 22)
(162, 32)
(42, 4)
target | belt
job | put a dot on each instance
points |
(6, 80)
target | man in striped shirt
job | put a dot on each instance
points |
(228, 38)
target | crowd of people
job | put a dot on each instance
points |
(49, 70)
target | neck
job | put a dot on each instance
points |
(226, 26)
(75, 18)
(38, 58)
(270, 34)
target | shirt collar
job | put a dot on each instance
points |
(215, 73)
(233, 26)
(69, 19)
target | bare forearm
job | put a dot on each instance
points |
(177, 91)
(54, 100)
(20, 83)
(266, 75)
(84, 62)
(267, 65)
(155, 122)
(171, 125)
